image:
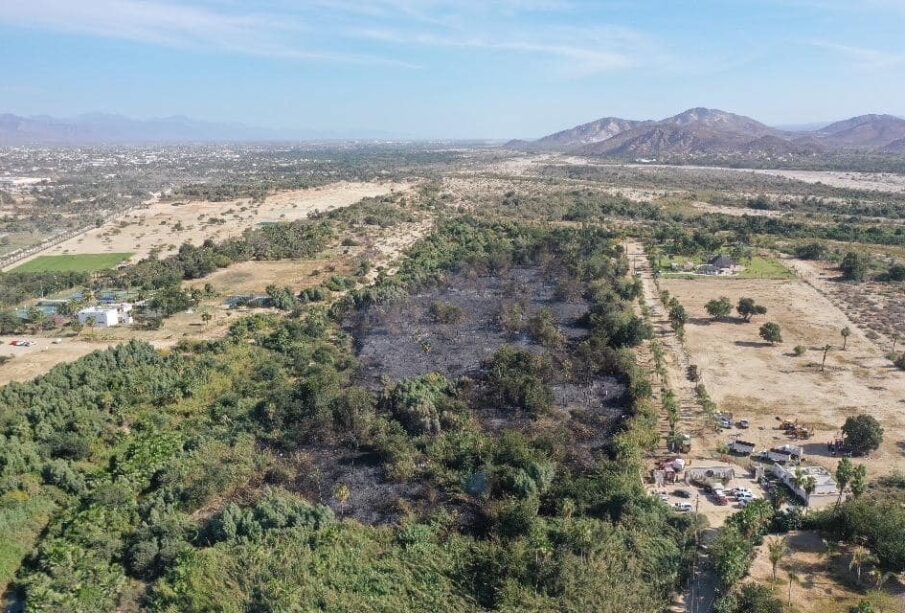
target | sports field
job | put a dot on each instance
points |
(83, 262)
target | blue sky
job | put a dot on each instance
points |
(451, 68)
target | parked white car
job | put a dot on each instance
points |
(683, 507)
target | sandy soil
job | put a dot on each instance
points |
(165, 226)
(254, 277)
(824, 584)
(761, 382)
(734, 211)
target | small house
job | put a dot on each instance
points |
(719, 265)
(107, 315)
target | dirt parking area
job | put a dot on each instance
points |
(760, 382)
(703, 502)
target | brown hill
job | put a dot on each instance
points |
(864, 132)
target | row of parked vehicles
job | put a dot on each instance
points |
(742, 495)
(725, 421)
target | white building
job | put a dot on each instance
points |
(825, 489)
(107, 315)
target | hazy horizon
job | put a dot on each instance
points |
(451, 70)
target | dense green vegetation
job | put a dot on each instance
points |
(186, 481)
(876, 518)
(17, 286)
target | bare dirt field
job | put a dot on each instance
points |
(164, 225)
(253, 277)
(824, 583)
(878, 308)
(760, 382)
(735, 211)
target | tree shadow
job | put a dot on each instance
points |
(752, 344)
(817, 449)
(706, 321)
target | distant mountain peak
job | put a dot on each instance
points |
(702, 131)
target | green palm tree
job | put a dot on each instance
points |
(844, 474)
(860, 556)
(777, 549)
(792, 578)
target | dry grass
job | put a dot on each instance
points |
(163, 226)
(824, 582)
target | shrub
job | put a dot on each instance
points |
(423, 404)
(854, 266)
(61, 474)
(896, 272)
(799, 350)
(751, 598)
(718, 309)
(747, 308)
(811, 251)
(900, 361)
(771, 333)
(863, 433)
(445, 313)
(518, 379)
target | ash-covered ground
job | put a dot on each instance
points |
(403, 340)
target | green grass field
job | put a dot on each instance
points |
(765, 268)
(83, 262)
(757, 268)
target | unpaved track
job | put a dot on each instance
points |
(677, 360)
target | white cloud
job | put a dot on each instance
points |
(379, 31)
(172, 25)
(870, 59)
(579, 52)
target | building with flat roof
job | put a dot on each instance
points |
(107, 315)
(825, 488)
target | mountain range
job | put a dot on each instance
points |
(706, 132)
(104, 128)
